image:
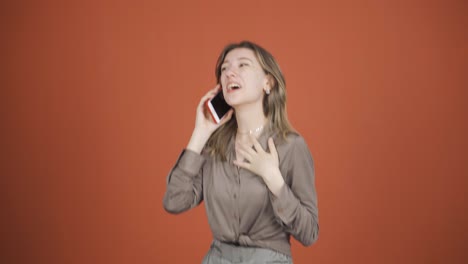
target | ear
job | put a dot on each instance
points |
(269, 82)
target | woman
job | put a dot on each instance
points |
(254, 173)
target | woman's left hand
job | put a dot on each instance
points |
(259, 161)
(262, 163)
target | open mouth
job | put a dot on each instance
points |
(233, 86)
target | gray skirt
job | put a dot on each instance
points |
(223, 253)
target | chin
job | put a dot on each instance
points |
(231, 102)
(235, 100)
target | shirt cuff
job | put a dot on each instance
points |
(284, 205)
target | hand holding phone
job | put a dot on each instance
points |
(204, 127)
(218, 107)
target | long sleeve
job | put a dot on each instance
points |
(184, 183)
(296, 205)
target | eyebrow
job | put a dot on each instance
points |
(241, 58)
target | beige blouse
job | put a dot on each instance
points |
(239, 206)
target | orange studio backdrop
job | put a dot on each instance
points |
(98, 99)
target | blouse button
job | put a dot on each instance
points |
(235, 196)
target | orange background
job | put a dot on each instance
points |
(98, 99)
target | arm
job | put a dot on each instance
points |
(295, 206)
(185, 181)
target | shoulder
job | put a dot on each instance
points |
(295, 138)
(294, 156)
(292, 145)
(292, 140)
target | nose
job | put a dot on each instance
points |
(229, 72)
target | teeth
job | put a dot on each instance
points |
(233, 85)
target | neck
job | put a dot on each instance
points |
(249, 118)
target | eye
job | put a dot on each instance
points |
(242, 64)
(223, 68)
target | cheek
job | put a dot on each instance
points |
(222, 80)
(259, 83)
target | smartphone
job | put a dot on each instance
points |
(218, 107)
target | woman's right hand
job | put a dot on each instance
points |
(204, 124)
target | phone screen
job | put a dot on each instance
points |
(219, 104)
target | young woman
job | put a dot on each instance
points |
(252, 170)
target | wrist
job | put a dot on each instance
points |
(274, 181)
(197, 141)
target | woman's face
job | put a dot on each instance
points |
(242, 78)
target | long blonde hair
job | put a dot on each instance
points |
(274, 104)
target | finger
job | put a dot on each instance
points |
(206, 97)
(242, 164)
(211, 92)
(257, 145)
(272, 147)
(248, 156)
(217, 87)
(247, 148)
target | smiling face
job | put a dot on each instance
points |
(242, 78)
